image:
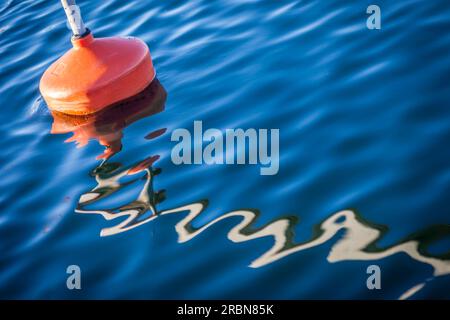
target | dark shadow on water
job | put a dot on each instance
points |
(106, 126)
(360, 236)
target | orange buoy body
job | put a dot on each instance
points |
(96, 73)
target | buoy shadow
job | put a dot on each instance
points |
(106, 126)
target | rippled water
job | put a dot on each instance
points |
(364, 160)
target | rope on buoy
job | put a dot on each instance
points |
(74, 17)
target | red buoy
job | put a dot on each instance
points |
(96, 72)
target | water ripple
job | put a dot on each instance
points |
(363, 122)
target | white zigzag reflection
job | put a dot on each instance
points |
(358, 242)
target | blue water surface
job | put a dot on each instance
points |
(364, 174)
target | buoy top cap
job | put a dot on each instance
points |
(84, 41)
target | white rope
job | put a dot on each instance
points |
(74, 17)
